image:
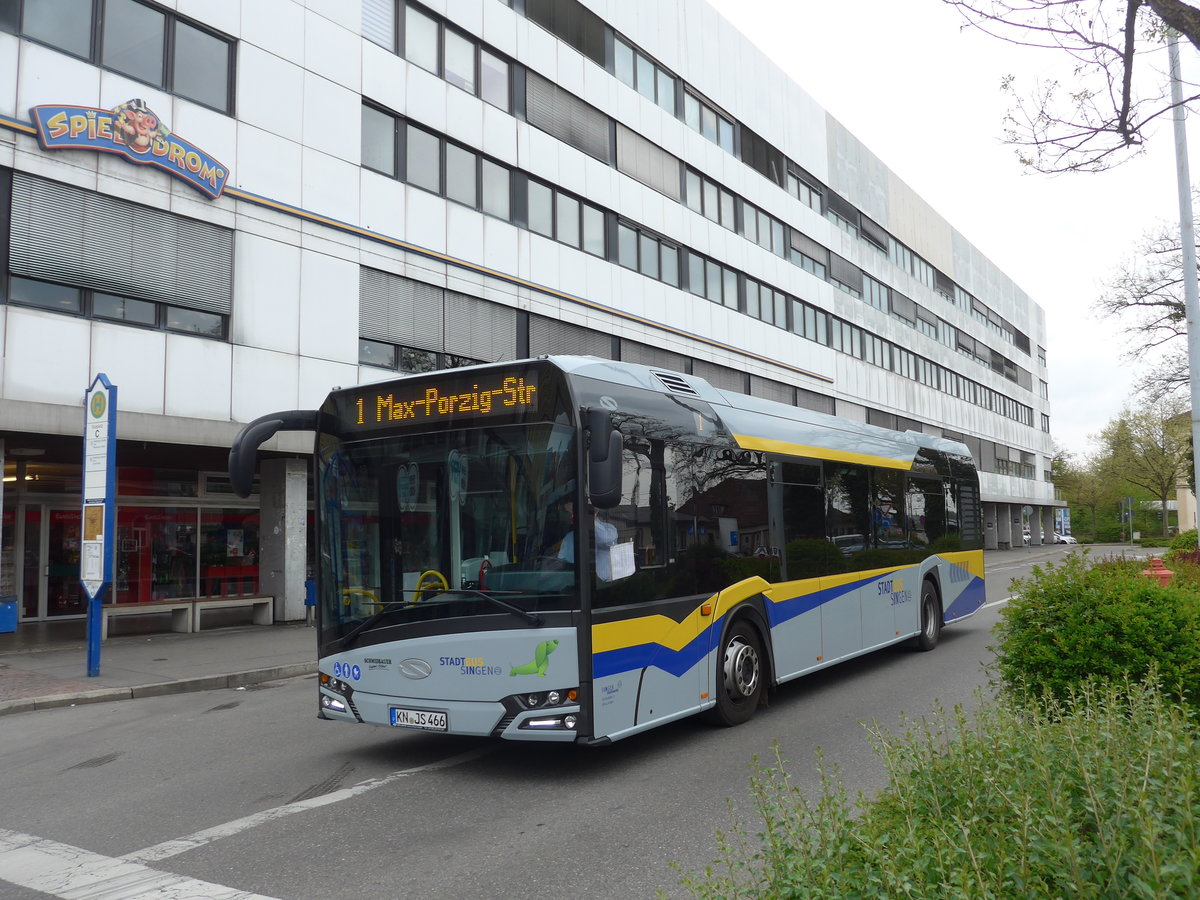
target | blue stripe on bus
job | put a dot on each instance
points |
(783, 610)
(678, 662)
(644, 656)
(971, 598)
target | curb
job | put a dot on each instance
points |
(158, 689)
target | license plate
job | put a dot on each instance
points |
(424, 719)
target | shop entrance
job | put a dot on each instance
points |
(47, 543)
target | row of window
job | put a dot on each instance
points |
(429, 161)
(635, 68)
(144, 41)
(435, 45)
(94, 304)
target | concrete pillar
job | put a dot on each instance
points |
(1016, 531)
(1048, 524)
(990, 541)
(1035, 526)
(283, 535)
(1003, 526)
(8, 573)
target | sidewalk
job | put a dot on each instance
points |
(44, 664)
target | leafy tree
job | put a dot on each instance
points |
(1115, 95)
(1088, 486)
(1149, 447)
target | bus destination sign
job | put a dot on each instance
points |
(486, 396)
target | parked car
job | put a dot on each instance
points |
(1028, 537)
(1064, 539)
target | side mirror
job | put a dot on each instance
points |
(604, 460)
(244, 452)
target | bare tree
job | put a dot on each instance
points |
(1146, 296)
(1115, 95)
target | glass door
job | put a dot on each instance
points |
(64, 594)
(47, 544)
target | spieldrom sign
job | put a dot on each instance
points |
(134, 132)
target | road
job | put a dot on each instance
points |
(244, 792)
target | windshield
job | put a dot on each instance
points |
(449, 524)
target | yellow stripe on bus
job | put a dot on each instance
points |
(749, 442)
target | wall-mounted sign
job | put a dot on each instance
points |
(133, 131)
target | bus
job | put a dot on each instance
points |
(577, 549)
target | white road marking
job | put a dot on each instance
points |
(995, 603)
(208, 835)
(73, 873)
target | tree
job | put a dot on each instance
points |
(1084, 485)
(1116, 95)
(1149, 447)
(1146, 293)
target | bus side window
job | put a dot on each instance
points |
(807, 552)
(926, 511)
(848, 512)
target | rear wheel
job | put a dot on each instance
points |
(931, 617)
(740, 675)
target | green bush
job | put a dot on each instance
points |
(1159, 541)
(1081, 620)
(1092, 798)
(1185, 540)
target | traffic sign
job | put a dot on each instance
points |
(99, 503)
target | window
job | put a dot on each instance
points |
(378, 141)
(626, 246)
(493, 80)
(461, 175)
(541, 209)
(60, 24)
(195, 322)
(704, 118)
(124, 309)
(114, 307)
(146, 42)
(422, 156)
(568, 219)
(496, 190)
(421, 39)
(670, 264)
(170, 260)
(134, 38)
(57, 297)
(201, 66)
(593, 231)
(379, 22)
(643, 75)
(571, 22)
(376, 353)
(460, 61)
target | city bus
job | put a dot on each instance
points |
(577, 549)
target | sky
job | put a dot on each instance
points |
(924, 96)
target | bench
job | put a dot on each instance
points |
(263, 608)
(180, 610)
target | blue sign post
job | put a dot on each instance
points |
(99, 505)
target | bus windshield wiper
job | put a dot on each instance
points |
(371, 620)
(490, 596)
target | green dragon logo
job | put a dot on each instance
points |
(541, 660)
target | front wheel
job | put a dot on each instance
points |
(931, 617)
(740, 675)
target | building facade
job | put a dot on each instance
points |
(230, 208)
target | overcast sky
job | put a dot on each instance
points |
(924, 96)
